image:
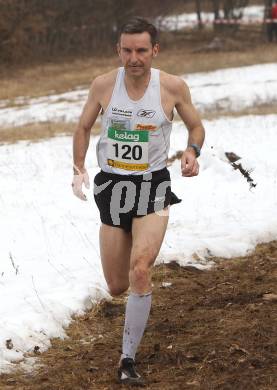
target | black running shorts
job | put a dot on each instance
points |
(120, 198)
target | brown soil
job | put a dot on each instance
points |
(212, 329)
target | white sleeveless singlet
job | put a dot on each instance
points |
(135, 134)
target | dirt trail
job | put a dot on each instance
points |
(209, 330)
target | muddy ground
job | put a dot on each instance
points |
(213, 329)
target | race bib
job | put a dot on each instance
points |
(128, 149)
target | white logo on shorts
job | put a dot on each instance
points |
(158, 199)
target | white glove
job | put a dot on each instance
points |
(78, 180)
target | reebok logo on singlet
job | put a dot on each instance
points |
(146, 113)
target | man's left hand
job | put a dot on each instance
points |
(78, 180)
(189, 163)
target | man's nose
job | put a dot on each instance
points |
(133, 57)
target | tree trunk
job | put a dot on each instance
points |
(198, 12)
(216, 9)
(268, 27)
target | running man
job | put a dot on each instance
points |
(132, 189)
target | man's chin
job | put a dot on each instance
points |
(135, 70)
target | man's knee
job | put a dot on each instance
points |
(140, 279)
(141, 266)
(139, 274)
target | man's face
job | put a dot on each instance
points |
(136, 53)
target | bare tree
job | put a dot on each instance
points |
(216, 5)
(268, 26)
(230, 12)
(198, 12)
(43, 29)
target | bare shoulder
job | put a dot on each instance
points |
(104, 82)
(174, 85)
(106, 78)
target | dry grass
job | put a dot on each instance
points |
(264, 109)
(177, 61)
(178, 56)
(36, 132)
(47, 79)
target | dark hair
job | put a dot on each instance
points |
(140, 25)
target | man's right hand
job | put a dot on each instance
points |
(81, 177)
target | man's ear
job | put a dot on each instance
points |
(156, 49)
(118, 48)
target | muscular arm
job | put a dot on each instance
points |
(88, 117)
(190, 116)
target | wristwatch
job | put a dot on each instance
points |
(196, 148)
